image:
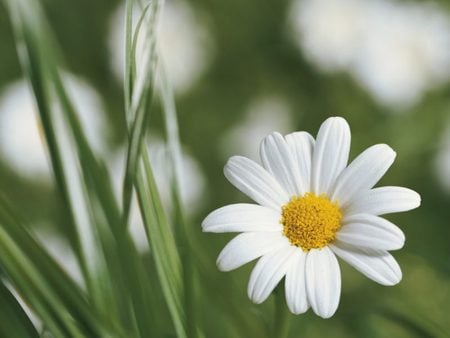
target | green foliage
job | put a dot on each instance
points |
(175, 288)
(118, 287)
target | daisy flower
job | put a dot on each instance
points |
(311, 208)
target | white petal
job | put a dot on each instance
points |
(373, 232)
(278, 160)
(248, 246)
(254, 181)
(363, 173)
(301, 145)
(268, 272)
(384, 200)
(330, 155)
(377, 265)
(295, 287)
(323, 281)
(242, 218)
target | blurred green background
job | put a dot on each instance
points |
(240, 70)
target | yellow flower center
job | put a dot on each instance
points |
(311, 221)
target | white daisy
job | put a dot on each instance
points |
(312, 206)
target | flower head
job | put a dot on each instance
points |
(312, 207)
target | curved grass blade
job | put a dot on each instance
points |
(139, 173)
(15, 322)
(193, 260)
(87, 193)
(31, 50)
(46, 287)
(162, 242)
(177, 184)
(133, 278)
(128, 75)
(141, 98)
(192, 251)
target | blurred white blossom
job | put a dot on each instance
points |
(263, 116)
(329, 32)
(183, 40)
(395, 50)
(22, 143)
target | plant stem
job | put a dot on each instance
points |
(281, 315)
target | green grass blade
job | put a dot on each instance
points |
(172, 133)
(136, 283)
(161, 239)
(193, 257)
(88, 196)
(128, 75)
(53, 295)
(86, 190)
(120, 246)
(31, 286)
(15, 322)
(141, 98)
(186, 241)
(31, 47)
(162, 242)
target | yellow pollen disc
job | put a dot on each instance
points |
(311, 221)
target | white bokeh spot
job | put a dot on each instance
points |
(22, 144)
(263, 115)
(397, 51)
